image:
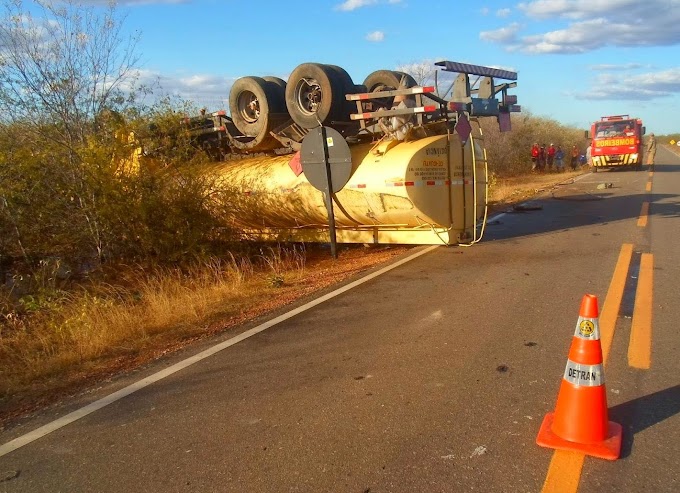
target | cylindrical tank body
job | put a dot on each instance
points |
(424, 191)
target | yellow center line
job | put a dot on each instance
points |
(640, 345)
(612, 303)
(561, 476)
(564, 473)
(644, 213)
(648, 188)
(651, 173)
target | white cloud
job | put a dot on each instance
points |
(484, 11)
(506, 34)
(587, 25)
(665, 80)
(579, 9)
(350, 5)
(625, 66)
(503, 12)
(640, 87)
(375, 36)
(210, 91)
(619, 94)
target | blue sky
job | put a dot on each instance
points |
(577, 60)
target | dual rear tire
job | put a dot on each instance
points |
(251, 102)
(314, 95)
(388, 80)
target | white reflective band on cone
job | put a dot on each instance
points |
(584, 375)
(587, 328)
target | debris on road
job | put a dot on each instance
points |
(527, 207)
(481, 450)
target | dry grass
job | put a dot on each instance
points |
(85, 336)
(515, 189)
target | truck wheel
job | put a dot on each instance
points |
(249, 103)
(388, 80)
(314, 91)
(276, 80)
(278, 89)
(348, 87)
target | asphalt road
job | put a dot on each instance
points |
(431, 377)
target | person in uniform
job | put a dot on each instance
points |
(534, 157)
(559, 159)
(574, 158)
(650, 149)
(551, 156)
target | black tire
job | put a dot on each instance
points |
(348, 87)
(314, 93)
(388, 80)
(342, 75)
(276, 80)
(278, 88)
(249, 103)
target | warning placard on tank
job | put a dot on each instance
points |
(430, 164)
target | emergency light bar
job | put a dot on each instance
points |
(614, 118)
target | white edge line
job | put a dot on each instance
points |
(130, 389)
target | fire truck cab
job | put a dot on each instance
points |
(616, 141)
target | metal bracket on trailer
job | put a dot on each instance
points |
(486, 103)
(419, 109)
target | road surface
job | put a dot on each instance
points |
(431, 376)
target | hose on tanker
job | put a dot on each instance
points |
(476, 239)
(486, 210)
(343, 210)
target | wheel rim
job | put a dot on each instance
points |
(308, 95)
(248, 106)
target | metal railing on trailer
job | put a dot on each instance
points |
(462, 105)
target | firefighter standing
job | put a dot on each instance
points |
(574, 158)
(551, 156)
(559, 159)
(541, 158)
(534, 157)
(650, 149)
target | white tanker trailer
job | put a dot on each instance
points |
(417, 172)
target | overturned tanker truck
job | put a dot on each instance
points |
(416, 171)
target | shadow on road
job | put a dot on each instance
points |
(641, 413)
(577, 207)
(580, 203)
(665, 168)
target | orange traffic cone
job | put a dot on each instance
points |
(580, 421)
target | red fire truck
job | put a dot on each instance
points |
(616, 141)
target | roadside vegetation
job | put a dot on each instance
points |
(107, 261)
